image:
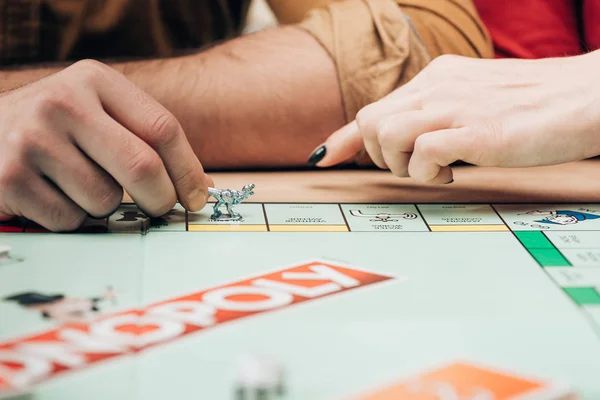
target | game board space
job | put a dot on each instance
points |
(346, 304)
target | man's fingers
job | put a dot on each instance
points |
(132, 163)
(342, 145)
(209, 181)
(155, 125)
(40, 201)
(82, 180)
(435, 151)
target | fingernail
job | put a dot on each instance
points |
(317, 155)
(447, 183)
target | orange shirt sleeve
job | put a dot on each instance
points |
(378, 45)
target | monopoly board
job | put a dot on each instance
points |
(357, 301)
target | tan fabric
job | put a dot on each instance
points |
(378, 45)
(449, 27)
(19, 29)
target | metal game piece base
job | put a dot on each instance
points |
(226, 218)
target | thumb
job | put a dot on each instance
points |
(341, 146)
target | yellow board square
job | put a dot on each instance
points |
(226, 228)
(308, 228)
(468, 228)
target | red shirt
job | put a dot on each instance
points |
(541, 28)
(591, 23)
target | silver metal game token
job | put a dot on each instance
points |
(229, 198)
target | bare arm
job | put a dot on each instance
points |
(264, 100)
(292, 11)
(15, 78)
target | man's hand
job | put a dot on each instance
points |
(70, 142)
(503, 113)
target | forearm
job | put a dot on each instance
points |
(264, 100)
(268, 99)
(15, 78)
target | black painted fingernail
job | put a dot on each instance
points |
(317, 155)
(447, 183)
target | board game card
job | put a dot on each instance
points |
(464, 381)
(550, 217)
(383, 218)
(128, 219)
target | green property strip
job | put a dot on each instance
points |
(542, 249)
(549, 258)
(583, 295)
(534, 240)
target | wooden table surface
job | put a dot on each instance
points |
(574, 182)
(577, 182)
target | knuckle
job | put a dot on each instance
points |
(25, 143)
(91, 70)
(48, 100)
(12, 176)
(162, 129)
(88, 64)
(60, 98)
(425, 146)
(143, 164)
(365, 118)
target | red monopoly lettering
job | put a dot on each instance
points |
(323, 272)
(274, 298)
(190, 312)
(298, 290)
(135, 331)
(27, 361)
(32, 369)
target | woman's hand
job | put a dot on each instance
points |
(502, 113)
